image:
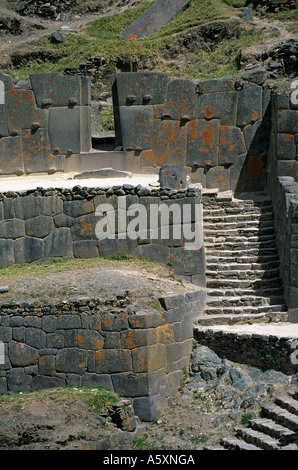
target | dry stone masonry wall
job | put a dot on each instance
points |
(141, 356)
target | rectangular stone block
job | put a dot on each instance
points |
(202, 143)
(22, 113)
(285, 147)
(71, 360)
(3, 122)
(287, 121)
(56, 87)
(219, 105)
(86, 143)
(169, 143)
(149, 358)
(85, 249)
(27, 207)
(231, 144)
(215, 85)
(249, 104)
(58, 243)
(11, 162)
(139, 88)
(37, 154)
(182, 101)
(136, 127)
(109, 361)
(12, 228)
(65, 130)
(28, 249)
(218, 177)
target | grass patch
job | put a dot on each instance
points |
(98, 399)
(107, 119)
(101, 37)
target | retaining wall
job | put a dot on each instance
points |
(51, 223)
(139, 356)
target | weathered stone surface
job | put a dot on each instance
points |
(11, 161)
(21, 111)
(18, 381)
(139, 89)
(27, 207)
(173, 177)
(44, 382)
(39, 226)
(58, 243)
(287, 121)
(219, 105)
(249, 104)
(215, 85)
(84, 227)
(109, 361)
(286, 147)
(85, 249)
(78, 208)
(231, 144)
(136, 127)
(158, 15)
(65, 130)
(169, 143)
(13, 228)
(182, 102)
(218, 177)
(104, 173)
(37, 154)
(202, 143)
(28, 249)
(72, 360)
(58, 87)
(97, 380)
(20, 354)
(7, 252)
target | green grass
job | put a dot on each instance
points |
(98, 399)
(101, 37)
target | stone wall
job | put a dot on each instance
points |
(257, 350)
(139, 356)
(218, 129)
(51, 223)
(282, 185)
(42, 126)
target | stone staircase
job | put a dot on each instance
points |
(277, 429)
(242, 263)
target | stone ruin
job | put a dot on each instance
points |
(231, 139)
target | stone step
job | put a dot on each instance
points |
(242, 266)
(240, 245)
(281, 416)
(210, 320)
(244, 300)
(243, 310)
(237, 444)
(225, 211)
(257, 438)
(243, 283)
(288, 403)
(228, 231)
(210, 218)
(266, 294)
(269, 427)
(240, 260)
(243, 274)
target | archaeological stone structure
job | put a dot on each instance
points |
(237, 144)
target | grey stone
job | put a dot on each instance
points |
(63, 220)
(48, 323)
(7, 252)
(139, 85)
(13, 228)
(287, 121)
(285, 147)
(3, 385)
(35, 338)
(43, 382)
(136, 127)
(97, 380)
(231, 144)
(27, 207)
(60, 87)
(104, 173)
(58, 37)
(51, 206)
(219, 105)
(182, 101)
(18, 381)
(37, 154)
(65, 130)
(28, 249)
(202, 143)
(58, 243)
(249, 104)
(21, 354)
(21, 111)
(39, 227)
(85, 249)
(72, 360)
(204, 357)
(216, 85)
(11, 161)
(148, 408)
(173, 177)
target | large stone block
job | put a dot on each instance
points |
(7, 252)
(218, 177)
(21, 355)
(158, 15)
(27, 207)
(287, 121)
(58, 243)
(182, 100)
(219, 105)
(141, 88)
(136, 127)
(215, 85)
(72, 360)
(109, 361)
(18, 380)
(37, 154)
(84, 227)
(202, 143)
(78, 208)
(85, 249)
(231, 144)
(173, 177)
(249, 104)
(60, 89)
(12, 228)
(28, 249)
(65, 130)
(86, 141)
(169, 143)
(7, 82)
(285, 147)
(3, 121)
(22, 113)
(11, 161)
(288, 168)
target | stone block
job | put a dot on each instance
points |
(39, 226)
(21, 355)
(109, 361)
(11, 161)
(51, 205)
(28, 249)
(159, 14)
(18, 380)
(65, 130)
(110, 247)
(231, 144)
(84, 227)
(89, 339)
(136, 127)
(112, 322)
(249, 104)
(42, 382)
(218, 177)
(202, 143)
(149, 408)
(7, 252)
(139, 88)
(46, 365)
(58, 88)
(287, 168)
(215, 85)
(58, 243)
(149, 358)
(85, 249)
(85, 90)
(27, 207)
(285, 147)
(67, 322)
(48, 323)
(97, 380)
(219, 105)
(3, 385)
(55, 341)
(7, 82)
(12, 228)
(187, 262)
(22, 113)
(62, 220)
(169, 144)
(136, 384)
(37, 154)
(78, 208)
(287, 121)
(71, 360)
(173, 177)
(131, 339)
(85, 142)
(182, 101)
(3, 121)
